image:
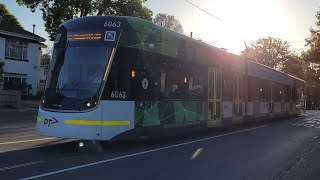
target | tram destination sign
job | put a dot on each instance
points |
(84, 36)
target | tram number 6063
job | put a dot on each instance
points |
(118, 95)
(112, 24)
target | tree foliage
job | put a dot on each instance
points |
(272, 52)
(7, 18)
(168, 21)
(295, 66)
(313, 53)
(56, 12)
(45, 59)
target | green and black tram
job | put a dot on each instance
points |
(111, 75)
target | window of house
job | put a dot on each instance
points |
(14, 81)
(16, 49)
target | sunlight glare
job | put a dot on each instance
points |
(245, 20)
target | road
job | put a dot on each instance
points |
(282, 149)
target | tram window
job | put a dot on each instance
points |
(181, 48)
(119, 78)
(283, 93)
(287, 93)
(227, 91)
(300, 93)
(263, 90)
(241, 88)
(149, 79)
(163, 82)
(275, 93)
(218, 85)
(278, 93)
(252, 89)
(195, 87)
(154, 39)
(258, 90)
(172, 80)
(294, 94)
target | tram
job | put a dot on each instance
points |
(111, 76)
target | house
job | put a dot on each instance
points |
(20, 50)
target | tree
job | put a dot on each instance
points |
(46, 56)
(295, 66)
(7, 18)
(56, 12)
(272, 52)
(313, 53)
(45, 59)
(168, 21)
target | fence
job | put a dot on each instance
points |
(10, 98)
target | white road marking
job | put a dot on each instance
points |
(17, 130)
(14, 136)
(315, 137)
(33, 147)
(21, 165)
(31, 140)
(196, 154)
(139, 153)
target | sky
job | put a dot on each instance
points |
(240, 20)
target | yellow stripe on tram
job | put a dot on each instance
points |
(96, 123)
(39, 119)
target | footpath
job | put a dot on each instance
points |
(25, 105)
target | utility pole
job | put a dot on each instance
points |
(33, 29)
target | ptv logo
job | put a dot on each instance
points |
(49, 122)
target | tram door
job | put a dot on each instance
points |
(214, 96)
(271, 86)
(237, 96)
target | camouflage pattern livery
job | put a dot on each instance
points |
(170, 113)
(144, 35)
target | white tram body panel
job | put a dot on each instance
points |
(109, 119)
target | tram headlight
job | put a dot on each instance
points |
(88, 104)
(81, 144)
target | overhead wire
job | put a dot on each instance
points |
(198, 7)
(203, 10)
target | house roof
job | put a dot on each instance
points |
(14, 30)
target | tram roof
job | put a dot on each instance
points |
(148, 36)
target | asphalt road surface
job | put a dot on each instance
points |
(282, 149)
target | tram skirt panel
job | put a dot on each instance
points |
(117, 116)
(78, 125)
